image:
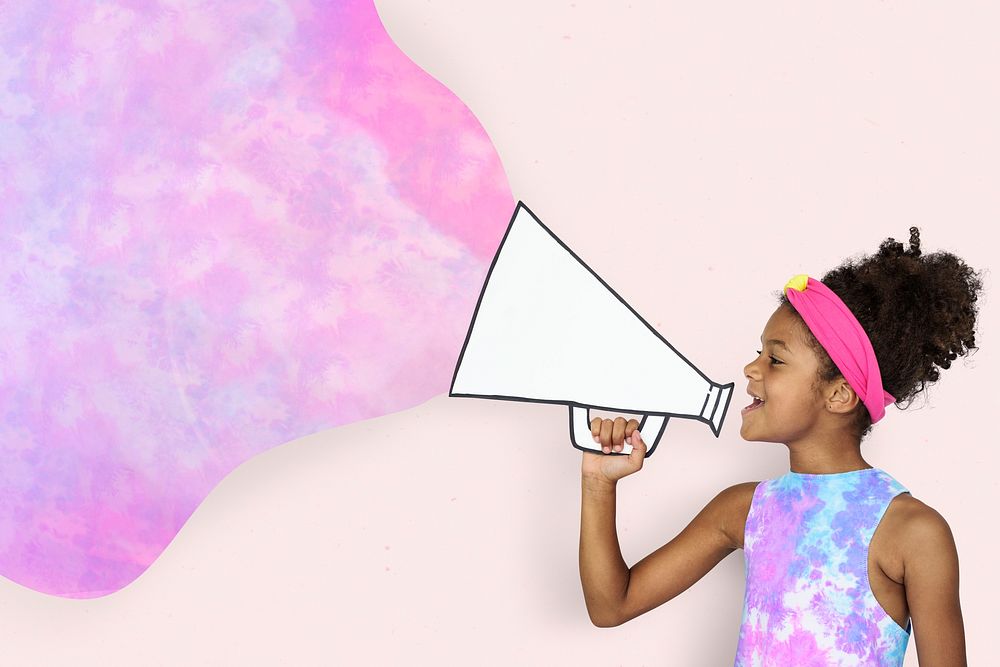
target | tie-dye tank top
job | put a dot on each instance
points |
(808, 602)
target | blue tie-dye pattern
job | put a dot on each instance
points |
(808, 600)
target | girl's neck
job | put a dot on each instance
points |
(828, 469)
(826, 458)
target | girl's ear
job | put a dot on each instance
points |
(841, 397)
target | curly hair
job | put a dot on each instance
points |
(919, 312)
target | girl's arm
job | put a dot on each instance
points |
(930, 578)
(614, 593)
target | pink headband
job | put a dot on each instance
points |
(843, 338)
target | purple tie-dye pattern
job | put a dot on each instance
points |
(808, 601)
(223, 226)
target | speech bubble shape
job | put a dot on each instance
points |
(225, 226)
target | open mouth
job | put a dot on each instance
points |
(753, 406)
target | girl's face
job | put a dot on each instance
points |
(783, 375)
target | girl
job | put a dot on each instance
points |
(823, 586)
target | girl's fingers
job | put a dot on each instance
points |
(618, 433)
(606, 427)
(612, 434)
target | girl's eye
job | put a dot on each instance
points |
(774, 362)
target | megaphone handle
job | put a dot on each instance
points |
(579, 424)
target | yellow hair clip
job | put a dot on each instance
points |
(798, 282)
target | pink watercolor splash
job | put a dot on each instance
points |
(225, 226)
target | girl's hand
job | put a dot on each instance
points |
(612, 433)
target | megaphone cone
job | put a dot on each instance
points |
(534, 337)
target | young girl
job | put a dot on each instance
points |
(823, 586)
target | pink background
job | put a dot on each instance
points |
(696, 158)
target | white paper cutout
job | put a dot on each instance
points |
(544, 316)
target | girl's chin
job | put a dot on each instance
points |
(747, 431)
(752, 435)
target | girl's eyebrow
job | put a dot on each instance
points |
(779, 343)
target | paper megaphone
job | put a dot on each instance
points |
(548, 329)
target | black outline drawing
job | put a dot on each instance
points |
(579, 414)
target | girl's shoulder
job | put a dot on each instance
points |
(907, 516)
(911, 529)
(737, 499)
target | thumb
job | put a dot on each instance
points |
(638, 447)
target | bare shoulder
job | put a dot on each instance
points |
(911, 517)
(916, 528)
(915, 524)
(734, 505)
